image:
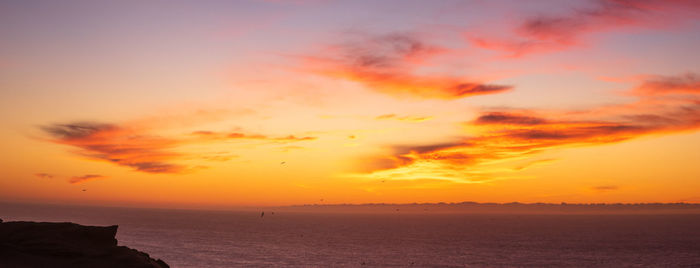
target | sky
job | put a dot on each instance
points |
(262, 103)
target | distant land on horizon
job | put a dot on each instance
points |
(513, 207)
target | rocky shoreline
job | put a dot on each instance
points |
(65, 244)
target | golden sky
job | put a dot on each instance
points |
(249, 103)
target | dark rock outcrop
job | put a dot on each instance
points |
(47, 244)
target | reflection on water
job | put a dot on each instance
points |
(228, 239)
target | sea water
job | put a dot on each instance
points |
(189, 238)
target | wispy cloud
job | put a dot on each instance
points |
(533, 163)
(605, 188)
(553, 32)
(407, 118)
(80, 179)
(662, 85)
(389, 64)
(44, 175)
(508, 119)
(244, 136)
(663, 107)
(216, 157)
(143, 151)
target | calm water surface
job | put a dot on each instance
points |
(233, 239)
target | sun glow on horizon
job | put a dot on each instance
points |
(289, 102)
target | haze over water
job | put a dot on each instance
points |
(188, 238)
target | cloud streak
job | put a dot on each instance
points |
(81, 179)
(605, 188)
(408, 118)
(142, 151)
(553, 32)
(665, 105)
(244, 136)
(662, 85)
(44, 175)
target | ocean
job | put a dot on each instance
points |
(191, 238)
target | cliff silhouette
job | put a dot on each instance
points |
(47, 244)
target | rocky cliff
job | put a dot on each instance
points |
(47, 244)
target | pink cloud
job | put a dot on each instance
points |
(388, 64)
(553, 32)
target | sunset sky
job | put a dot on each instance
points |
(255, 103)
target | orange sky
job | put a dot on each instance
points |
(252, 103)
